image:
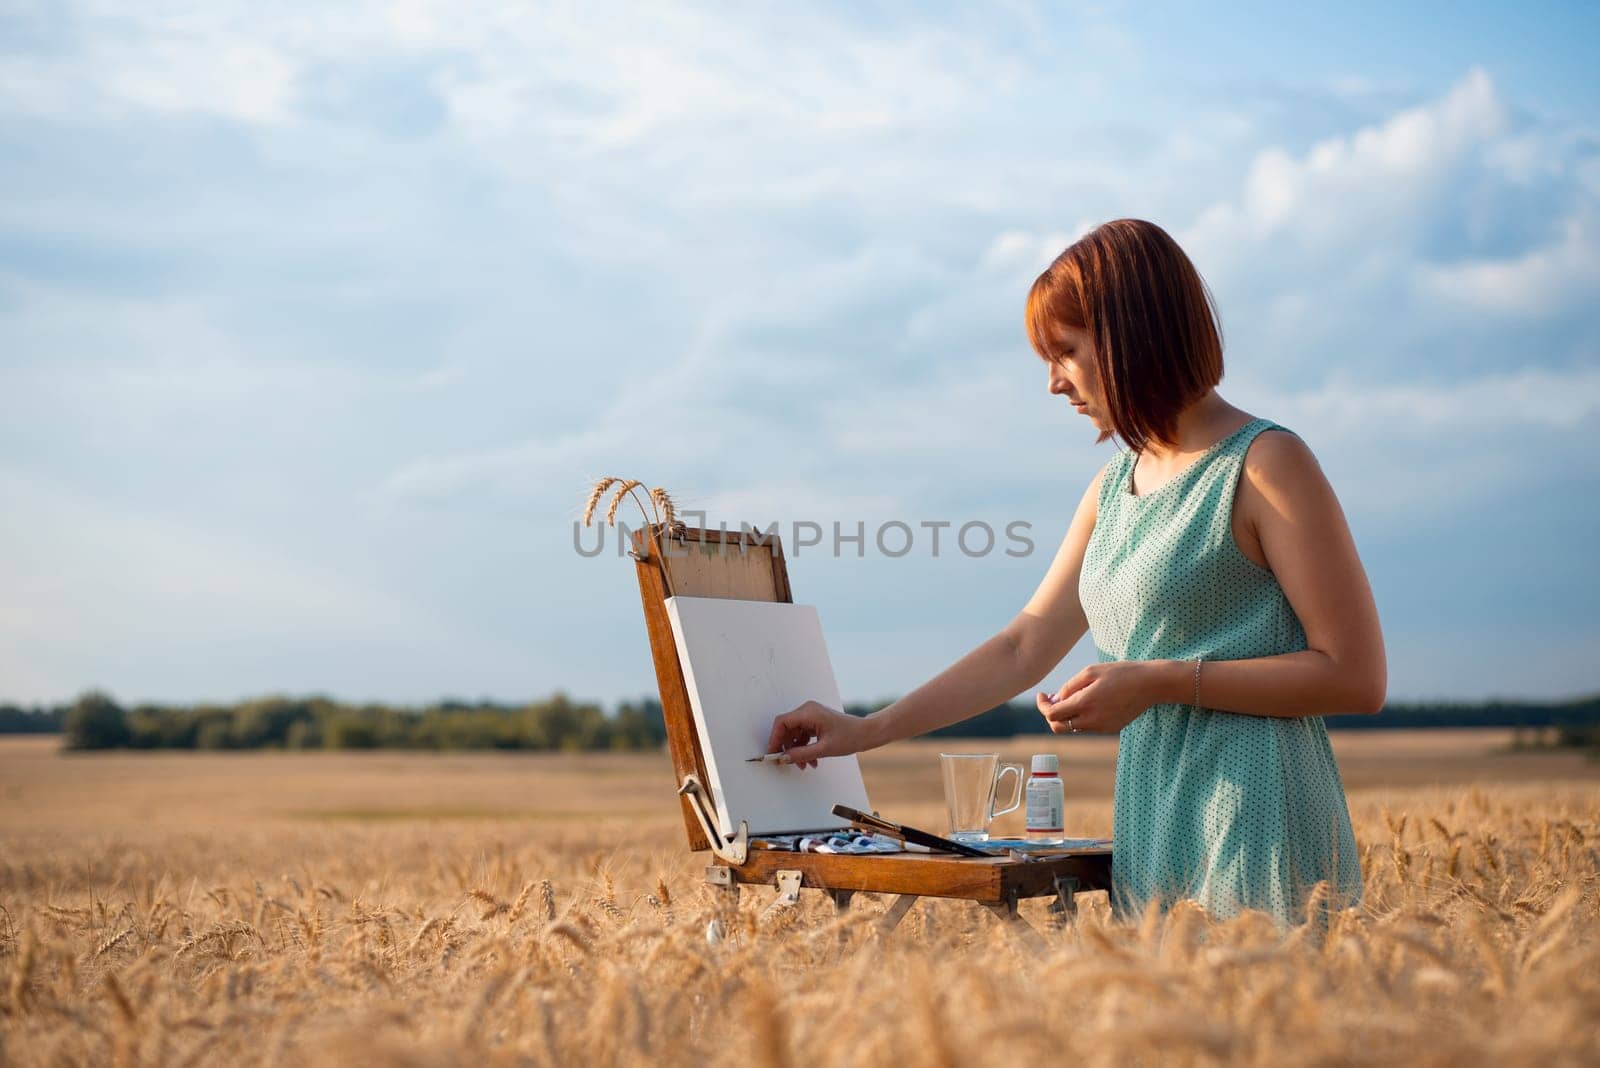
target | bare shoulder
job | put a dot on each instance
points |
(1280, 453)
(1281, 476)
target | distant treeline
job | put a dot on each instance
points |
(1016, 718)
(41, 720)
(96, 721)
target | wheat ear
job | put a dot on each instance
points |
(669, 511)
(664, 517)
(595, 494)
(628, 486)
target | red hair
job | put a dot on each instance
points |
(1157, 338)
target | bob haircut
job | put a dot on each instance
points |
(1157, 338)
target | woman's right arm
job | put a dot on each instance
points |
(1014, 659)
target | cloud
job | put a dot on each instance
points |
(1559, 401)
(1380, 175)
(98, 593)
(1404, 457)
(1349, 327)
(1538, 283)
(164, 59)
(1020, 251)
(384, 285)
(617, 78)
(128, 561)
(1399, 252)
(591, 79)
(507, 468)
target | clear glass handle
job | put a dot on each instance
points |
(1016, 798)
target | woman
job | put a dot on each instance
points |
(1229, 609)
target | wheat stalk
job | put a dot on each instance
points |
(125, 1007)
(22, 973)
(661, 517)
(422, 932)
(595, 494)
(494, 905)
(520, 904)
(669, 511)
(111, 943)
(1435, 968)
(570, 933)
(625, 489)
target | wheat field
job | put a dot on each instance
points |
(408, 909)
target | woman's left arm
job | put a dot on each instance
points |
(1310, 551)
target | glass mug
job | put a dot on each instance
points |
(970, 783)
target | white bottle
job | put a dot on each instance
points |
(1046, 825)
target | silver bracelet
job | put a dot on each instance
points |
(1197, 680)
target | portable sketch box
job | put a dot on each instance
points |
(725, 671)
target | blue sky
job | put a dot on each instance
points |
(316, 322)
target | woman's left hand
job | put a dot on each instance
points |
(1101, 699)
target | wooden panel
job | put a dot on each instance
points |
(931, 875)
(716, 568)
(699, 563)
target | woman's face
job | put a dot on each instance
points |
(1073, 374)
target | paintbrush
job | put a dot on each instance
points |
(871, 822)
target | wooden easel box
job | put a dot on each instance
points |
(748, 565)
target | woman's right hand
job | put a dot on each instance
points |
(814, 730)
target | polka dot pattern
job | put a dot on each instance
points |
(1230, 810)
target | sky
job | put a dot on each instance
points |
(318, 321)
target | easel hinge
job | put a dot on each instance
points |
(735, 849)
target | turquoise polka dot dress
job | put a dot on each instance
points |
(1233, 811)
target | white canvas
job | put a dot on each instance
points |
(746, 663)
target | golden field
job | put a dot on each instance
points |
(418, 909)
